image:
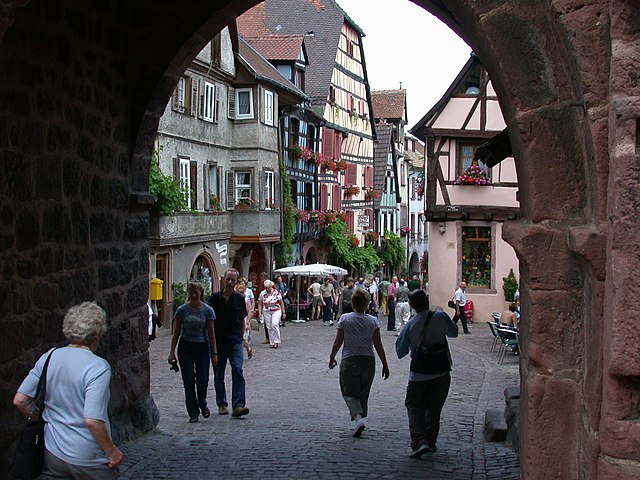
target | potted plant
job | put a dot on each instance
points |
(245, 203)
(296, 152)
(214, 203)
(509, 286)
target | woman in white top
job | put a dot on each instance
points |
(360, 333)
(271, 308)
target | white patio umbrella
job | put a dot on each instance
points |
(311, 270)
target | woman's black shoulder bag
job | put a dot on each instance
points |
(28, 459)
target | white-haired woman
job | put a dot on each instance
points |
(77, 432)
(271, 309)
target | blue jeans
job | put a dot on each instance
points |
(194, 361)
(234, 354)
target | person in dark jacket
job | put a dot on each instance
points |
(230, 309)
(426, 393)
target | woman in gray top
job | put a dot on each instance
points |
(360, 333)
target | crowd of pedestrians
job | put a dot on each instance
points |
(216, 331)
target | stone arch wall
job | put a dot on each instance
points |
(82, 89)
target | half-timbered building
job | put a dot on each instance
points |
(465, 202)
(336, 82)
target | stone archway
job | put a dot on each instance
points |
(82, 90)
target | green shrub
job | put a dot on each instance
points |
(509, 286)
(170, 197)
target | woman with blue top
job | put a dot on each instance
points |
(193, 327)
(77, 436)
(360, 334)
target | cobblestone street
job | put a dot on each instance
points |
(299, 426)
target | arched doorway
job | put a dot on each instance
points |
(205, 273)
(74, 196)
(414, 264)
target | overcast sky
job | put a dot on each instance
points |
(405, 44)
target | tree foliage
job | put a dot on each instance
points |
(170, 197)
(393, 253)
(344, 254)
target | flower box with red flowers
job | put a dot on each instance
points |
(474, 174)
(370, 194)
(352, 190)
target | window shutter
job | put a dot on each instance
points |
(350, 220)
(337, 142)
(324, 201)
(276, 117)
(219, 187)
(277, 189)
(327, 142)
(216, 105)
(262, 104)
(368, 177)
(352, 174)
(336, 201)
(230, 187)
(262, 187)
(369, 212)
(232, 103)
(205, 186)
(191, 90)
(200, 97)
(176, 169)
(193, 181)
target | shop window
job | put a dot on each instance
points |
(477, 252)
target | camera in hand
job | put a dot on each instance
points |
(174, 366)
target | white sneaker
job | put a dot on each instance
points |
(325, 324)
(358, 428)
(330, 322)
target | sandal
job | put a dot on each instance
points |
(206, 413)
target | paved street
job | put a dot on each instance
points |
(299, 426)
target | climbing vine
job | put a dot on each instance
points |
(283, 250)
(393, 253)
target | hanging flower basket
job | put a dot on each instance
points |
(405, 230)
(474, 174)
(353, 241)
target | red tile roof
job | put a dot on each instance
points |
(277, 47)
(389, 104)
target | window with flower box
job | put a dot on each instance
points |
(466, 152)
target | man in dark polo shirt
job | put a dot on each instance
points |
(230, 309)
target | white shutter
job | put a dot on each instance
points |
(232, 103)
(262, 188)
(230, 191)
